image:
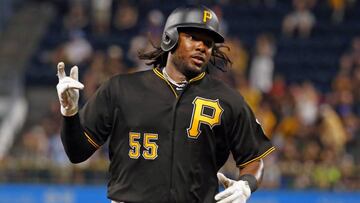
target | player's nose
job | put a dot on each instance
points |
(200, 45)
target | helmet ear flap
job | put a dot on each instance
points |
(169, 39)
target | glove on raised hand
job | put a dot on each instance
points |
(68, 90)
(235, 191)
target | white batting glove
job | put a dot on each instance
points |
(68, 90)
(235, 191)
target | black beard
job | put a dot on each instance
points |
(182, 66)
(190, 74)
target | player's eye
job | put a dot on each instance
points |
(188, 36)
(209, 43)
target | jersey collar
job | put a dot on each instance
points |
(158, 72)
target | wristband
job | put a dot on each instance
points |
(252, 181)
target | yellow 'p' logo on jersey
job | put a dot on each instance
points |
(206, 16)
(200, 117)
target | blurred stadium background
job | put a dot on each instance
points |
(296, 62)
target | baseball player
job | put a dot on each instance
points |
(170, 129)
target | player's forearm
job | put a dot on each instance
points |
(76, 146)
(255, 169)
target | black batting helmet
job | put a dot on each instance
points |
(199, 17)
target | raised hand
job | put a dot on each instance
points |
(68, 90)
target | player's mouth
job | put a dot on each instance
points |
(199, 60)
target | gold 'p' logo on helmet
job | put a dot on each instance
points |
(206, 16)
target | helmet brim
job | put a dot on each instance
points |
(218, 38)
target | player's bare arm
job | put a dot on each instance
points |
(255, 168)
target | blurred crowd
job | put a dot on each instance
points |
(316, 133)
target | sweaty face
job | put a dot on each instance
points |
(193, 52)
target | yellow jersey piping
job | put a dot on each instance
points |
(156, 71)
(259, 157)
(199, 77)
(91, 141)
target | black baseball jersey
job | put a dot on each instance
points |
(166, 147)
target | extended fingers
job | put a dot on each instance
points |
(74, 73)
(61, 70)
